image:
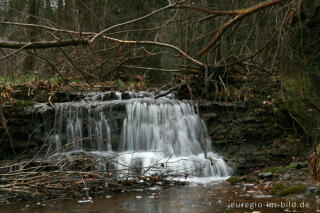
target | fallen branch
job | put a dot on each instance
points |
(168, 91)
(76, 175)
(43, 44)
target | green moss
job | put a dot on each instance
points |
(57, 80)
(23, 103)
(119, 83)
(292, 165)
(297, 165)
(277, 169)
(277, 188)
(282, 190)
(21, 77)
(295, 189)
(234, 180)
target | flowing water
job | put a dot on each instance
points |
(138, 132)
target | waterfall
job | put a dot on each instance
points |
(143, 135)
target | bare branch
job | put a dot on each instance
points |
(242, 14)
(183, 54)
(7, 56)
(152, 68)
(135, 20)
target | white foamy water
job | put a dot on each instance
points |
(142, 135)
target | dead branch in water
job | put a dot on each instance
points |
(77, 176)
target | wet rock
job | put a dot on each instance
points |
(209, 116)
(265, 175)
(287, 176)
(126, 96)
(110, 96)
(301, 165)
(313, 189)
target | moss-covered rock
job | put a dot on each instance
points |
(276, 188)
(295, 189)
(297, 165)
(234, 180)
(292, 165)
(283, 190)
(21, 104)
(275, 170)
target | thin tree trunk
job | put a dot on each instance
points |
(33, 10)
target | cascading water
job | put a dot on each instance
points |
(141, 134)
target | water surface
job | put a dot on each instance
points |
(215, 197)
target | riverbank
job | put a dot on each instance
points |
(293, 180)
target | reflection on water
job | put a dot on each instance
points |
(213, 198)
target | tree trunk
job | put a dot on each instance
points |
(33, 11)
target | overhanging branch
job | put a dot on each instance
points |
(182, 53)
(240, 14)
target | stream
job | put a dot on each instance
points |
(213, 197)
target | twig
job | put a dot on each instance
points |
(168, 91)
